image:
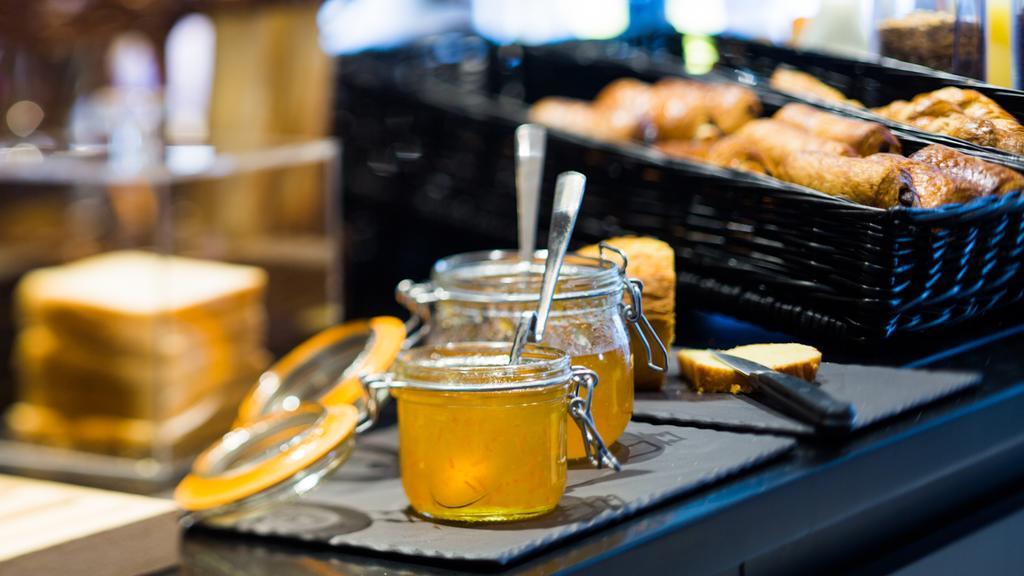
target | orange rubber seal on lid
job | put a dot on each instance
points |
(204, 492)
(386, 337)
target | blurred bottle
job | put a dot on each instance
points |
(1017, 42)
(837, 28)
(999, 68)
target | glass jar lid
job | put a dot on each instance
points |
(296, 425)
(282, 454)
(326, 368)
(501, 276)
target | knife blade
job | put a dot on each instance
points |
(792, 396)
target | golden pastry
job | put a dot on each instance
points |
(931, 188)
(965, 114)
(973, 177)
(774, 141)
(653, 262)
(581, 118)
(864, 137)
(803, 84)
(862, 180)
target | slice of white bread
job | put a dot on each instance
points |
(706, 373)
(653, 262)
(141, 301)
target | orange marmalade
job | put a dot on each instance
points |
(481, 440)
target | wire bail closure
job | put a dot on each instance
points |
(417, 298)
(378, 392)
(378, 388)
(579, 408)
(633, 312)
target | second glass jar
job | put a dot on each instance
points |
(480, 296)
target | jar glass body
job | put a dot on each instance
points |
(586, 321)
(591, 330)
(473, 455)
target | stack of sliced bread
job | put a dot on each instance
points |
(653, 262)
(130, 351)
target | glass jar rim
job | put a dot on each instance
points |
(496, 276)
(480, 367)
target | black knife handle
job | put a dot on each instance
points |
(806, 402)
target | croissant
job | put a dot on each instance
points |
(880, 180)
(682, 109)
(863, 180)
(627, 104)
(679, 110)
(973, 177)
(864, 137)
(803, 84)
(672, 109)
(910, 110)
(974, 104)
(737, 152)
(774, 141)
(731, 105)
(581, 118)
(965, 114)
(625, 94)
(930, 187)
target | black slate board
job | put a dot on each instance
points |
(364, 507)
(875, 392)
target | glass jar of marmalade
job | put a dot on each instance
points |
(483, 440)
(481, 296)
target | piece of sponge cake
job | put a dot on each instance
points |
(705, 373)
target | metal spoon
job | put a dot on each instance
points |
(530, 144)
(568, 199)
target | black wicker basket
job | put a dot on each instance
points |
(441, 117)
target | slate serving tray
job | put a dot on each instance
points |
(876, 393)
(364, 507)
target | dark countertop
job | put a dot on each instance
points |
(893, 493)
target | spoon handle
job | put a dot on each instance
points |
(530, 145)
(568, 198)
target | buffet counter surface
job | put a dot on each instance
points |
(934, 487)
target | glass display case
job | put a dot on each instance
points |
(140, 301)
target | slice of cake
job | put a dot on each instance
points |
(705, 373)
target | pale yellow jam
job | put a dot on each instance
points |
(483, 456)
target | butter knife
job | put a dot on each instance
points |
(792, 396)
